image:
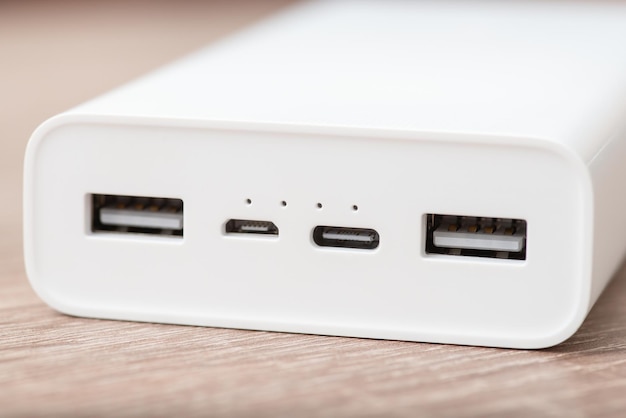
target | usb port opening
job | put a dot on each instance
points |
(245, 226)
(341, 237)
(476, 236)
(136, 215)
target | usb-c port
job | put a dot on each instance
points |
(341, 237)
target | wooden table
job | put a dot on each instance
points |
(54, 55)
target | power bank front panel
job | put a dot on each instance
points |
(329, 233)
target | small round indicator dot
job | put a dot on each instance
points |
(355, 208)
(319, 205)
(283, 203)
(249, 201)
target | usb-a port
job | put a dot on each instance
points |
(136, 215)
(476, 236)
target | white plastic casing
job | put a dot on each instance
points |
(509, 110)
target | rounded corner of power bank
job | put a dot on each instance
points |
(38, 137)
(559, 335)
(50, 125)
(572, 159)
(43, 290)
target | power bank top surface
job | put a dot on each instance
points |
(400, 109)
(548, 70)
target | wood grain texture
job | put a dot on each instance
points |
(56, 54)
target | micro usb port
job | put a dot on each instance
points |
(342, 237)
(476, 236)
(244, 226)
(136, 215)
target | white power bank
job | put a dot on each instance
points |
(446, 172)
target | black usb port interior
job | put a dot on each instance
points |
(341, 237)
(134, 214)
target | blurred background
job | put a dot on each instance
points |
(56, 54)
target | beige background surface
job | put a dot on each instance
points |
(54, 55)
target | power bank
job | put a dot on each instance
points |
(435, 171)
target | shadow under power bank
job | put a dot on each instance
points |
(447, 172)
